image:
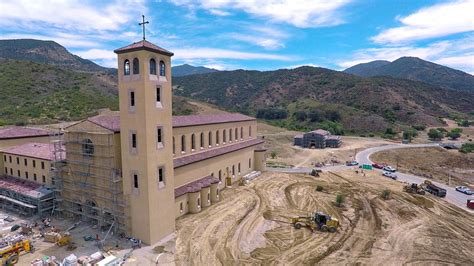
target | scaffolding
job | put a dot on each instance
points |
(91, 184)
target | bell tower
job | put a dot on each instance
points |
(144, 82)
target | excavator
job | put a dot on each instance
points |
(317, 221)
(414, 189)
(10, 254)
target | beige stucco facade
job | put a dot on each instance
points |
(28, 168)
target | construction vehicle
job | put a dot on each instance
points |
(10, 253)
(433, 189)
(63, 240)
(414, 189)
(317, 221)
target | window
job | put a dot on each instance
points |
(132, 99)
(199, 202)
(162, 69)
(126, 67)
(242, 133)
(6, 170)
(42, 165)
(10, 159)
(236, 134)
(224, 136)
(134, 140)
(19, 175)
(158, 94)
(44, 179)
(159, 136)
(217, 137)
(233, 169)
(4, 158)
(238, 168)
(161, 177)
(202, 140)
(34, 164)
(136, 66)
(250, 131)
(174, 146)
(180, 207)
(135, 180)
(217, 192)
(193, 142)
(87, 149)
(11, 171)
(17, 160)
(210, 139)
(230, 135)
(26, 162)
(152, 67)
(183, 143)
(250, 163)
(34, 177)
(220, 175)
(26, 175)
(208, 197)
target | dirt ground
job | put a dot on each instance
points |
(251, 225)
(280, 141)
(435, 162)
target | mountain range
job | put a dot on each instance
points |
(42, 82)
(414, 68)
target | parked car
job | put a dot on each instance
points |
(464, 190)
(352, 163)
(390, 174)
(470, 203)
(388, 168)
(378, 165)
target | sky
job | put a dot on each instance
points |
(254, 34)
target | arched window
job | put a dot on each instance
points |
(238, 168)
(224, 136)
(193, 142)
(220, 175)
(217, 137)
(136, 66)
(233, 169)
(230, 134)
(202, 140)
(183, 143)
(87, 148)
(236, 134)
(126, 67)
(210, 138)
(152, 67)
(162, 69)
(250, 163)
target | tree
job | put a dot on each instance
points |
(410, 133)
(454, 134)
(435, 134)
(463, 123)
(300, 115)
(315, 116)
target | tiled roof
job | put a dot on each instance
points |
(22, 132)
(112, 122)
(195, 186)
(193, 158)
(194, 120)
(298, 136)
(332, 137)
(33, 150)
(25, 187)
(321, 132)
(143, 45)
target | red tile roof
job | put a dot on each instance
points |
(143, 45)
(25, 187)
(195, 186)
(321, 132)
(112, 122)
(201, 156)
(33, 149)
(22, 132)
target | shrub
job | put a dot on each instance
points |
(339, 200)
(300, 115)
(435, 134)
(386, 194)
(273, 154)
(467, 148)
(419, 127)
(319, 188)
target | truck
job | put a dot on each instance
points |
(10, 252)
(434, 189)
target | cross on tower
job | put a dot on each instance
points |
(143, 25)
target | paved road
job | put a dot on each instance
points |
(452, 195)
(363, 157)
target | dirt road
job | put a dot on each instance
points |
(250, 225)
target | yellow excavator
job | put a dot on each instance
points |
(10, 254)
(317, 221)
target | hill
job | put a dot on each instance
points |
(48, 52)
(414, 68)
(309, 97)
(185, 70)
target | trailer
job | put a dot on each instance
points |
(434, 189)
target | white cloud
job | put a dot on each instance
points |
(219, 12)
(299, 13)
(434, 21)
(457, 54)
(265, 42)
(213, 53)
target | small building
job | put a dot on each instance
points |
(318, 139)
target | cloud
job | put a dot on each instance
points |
(219, 12)
(434, 21)
(214, 53)
(299, 13)
(265, 42)
(457, 54)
